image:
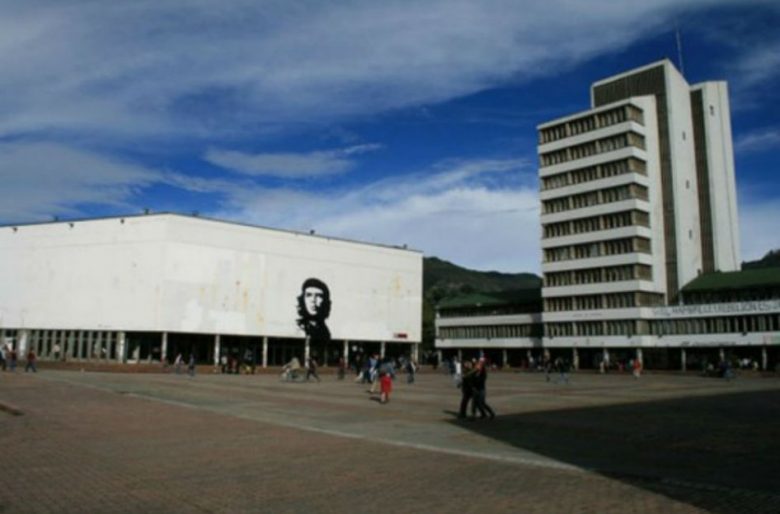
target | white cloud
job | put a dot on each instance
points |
(289, 165)
(44, 179)
(477, 213)
(757, 141)
(198, 67)
(758, 65)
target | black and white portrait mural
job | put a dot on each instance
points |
(313, 309)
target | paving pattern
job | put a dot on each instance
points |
(114, 442)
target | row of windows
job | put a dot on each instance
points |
(598, 275)
(591, 328)
(591, 198)
(598, 249)
(466, 312)
(583, 150)
(591, 122)
(491, 331)
(603, 301)
(719, 325)
(595, 223)
(597, 172)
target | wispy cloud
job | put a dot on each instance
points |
(45, 179)
(289, 165)
(481, 213)
(204, 68)
(758, 141)
(759, 65)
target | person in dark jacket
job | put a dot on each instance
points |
(480, 392)
(466, 389)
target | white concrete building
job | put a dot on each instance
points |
(145, 288)
(639, 200)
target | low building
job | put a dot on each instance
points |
(148, 288)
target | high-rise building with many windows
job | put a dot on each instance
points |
(638, 199)
(640, 242)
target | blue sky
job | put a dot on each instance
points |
(391, 122)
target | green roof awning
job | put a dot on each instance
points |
(734, 280)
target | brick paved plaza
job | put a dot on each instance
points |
(112, 442)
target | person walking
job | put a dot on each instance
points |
(311, 369)
(342, 368)
(480, 392)
(466, 389)
(191, 365)
(637, 368)
(12, 360)
(3, 353)
(177, 363)
(385, 387)
(31, 357)
(411, 369)
(562, 367)
(457, 371)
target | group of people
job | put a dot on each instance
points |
(559, 365)
(9, 359)
(292, 370)
(471, 377)
(178, 363)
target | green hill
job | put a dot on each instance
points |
(770, 260)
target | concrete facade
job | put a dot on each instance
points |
(87, 285)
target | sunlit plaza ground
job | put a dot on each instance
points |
(115, 442)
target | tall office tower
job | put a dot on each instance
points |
(638, 198)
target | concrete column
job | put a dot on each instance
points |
(217, 345)
(164, 347)
(346, 353)
(121, 347)
(80, 346)
(68, 347)
(460, 355)
(764, 358)
(22, 342)
(505, 359)
(265, 352)
(382, 349)
(110, 346)
(722, 354)
(32, 343)
(89, 342)
(639, 357)
(575, 359)
(416, 352)
(683, 360)
(98, 345)
(306, 350)
(438, 357)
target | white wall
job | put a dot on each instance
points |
(179, 274)
(722, 181)
(684, 179)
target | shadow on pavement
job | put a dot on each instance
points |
(720, 453)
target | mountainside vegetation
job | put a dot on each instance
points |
(770, 260)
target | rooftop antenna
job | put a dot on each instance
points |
(679, 48)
